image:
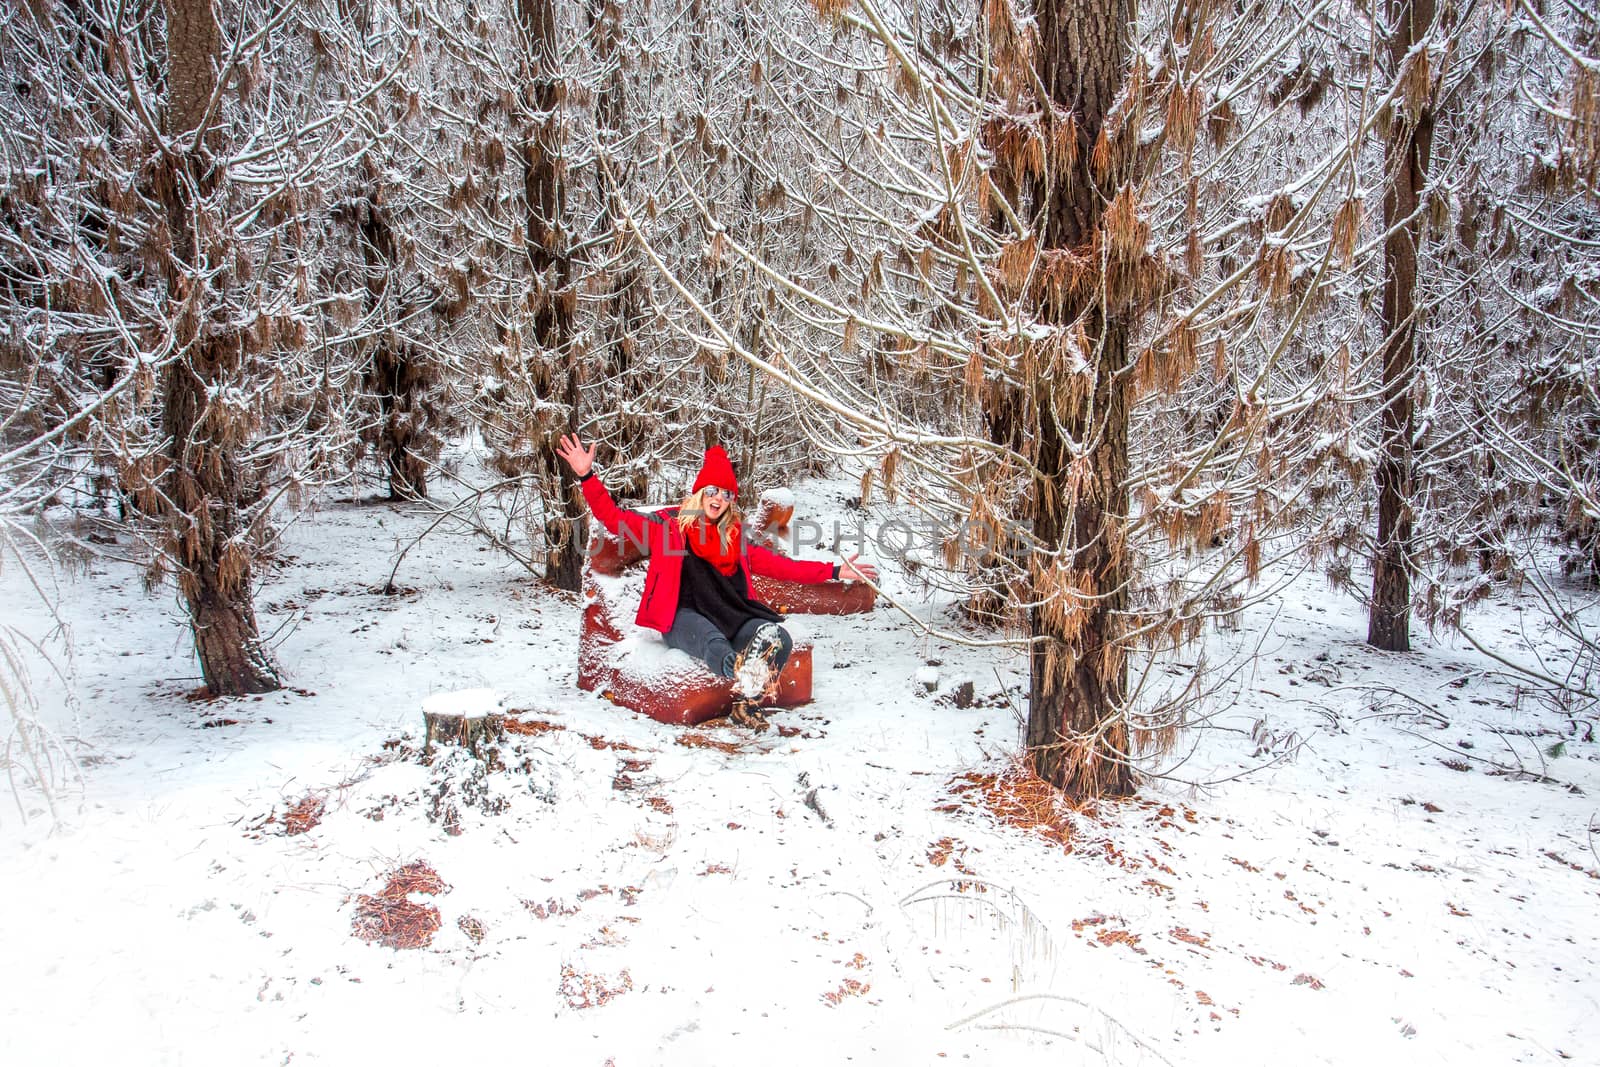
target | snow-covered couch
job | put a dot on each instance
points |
(633, 667)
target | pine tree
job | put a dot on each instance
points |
(1406, 156)
(1078, 679)
(555, 297)
(203, 484)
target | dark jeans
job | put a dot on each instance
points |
(693, 633)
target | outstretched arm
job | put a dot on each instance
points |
(770, 564)
(613, 518)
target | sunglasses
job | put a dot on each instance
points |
(718, 491)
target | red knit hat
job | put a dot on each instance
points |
(717, 471)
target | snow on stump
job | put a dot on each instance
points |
(475, 764)
(473, 719)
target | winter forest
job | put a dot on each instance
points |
(1213, 384)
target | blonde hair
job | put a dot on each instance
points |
(693, 509)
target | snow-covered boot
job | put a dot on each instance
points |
(752, 671)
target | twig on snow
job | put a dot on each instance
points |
(865, 903)
(1496, 764)
(1131, 1035)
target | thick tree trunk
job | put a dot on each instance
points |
(550, 256)
(1406, 156)
(1077, 736)
(204, 484)
(1078, 677)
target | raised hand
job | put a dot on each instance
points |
(851, 571)
(580, 459)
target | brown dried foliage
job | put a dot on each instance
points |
(1017, 144)
(850, 987)
(831, 11)
(1109, 937)
(1127, 234)
(1416, 85)
(551, 907)
(391, 919)
(699, 740)
(1166, 365)
(1067, 278)
(1221, 123)
(1275, 269)
(1066, 599)
(973, 377)
(1347, 219)
(1011, 47)
(473, 928)
(304, 816)
(1280, 212)
(1184, 104)
(531, 727)
(1019, 798)
(592, 990)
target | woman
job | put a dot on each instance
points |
(697, 588)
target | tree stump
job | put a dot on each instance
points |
(473, 719)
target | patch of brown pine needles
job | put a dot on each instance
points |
(699, 740)
(531, 727)
(1019, 798)
(303, 816)
(391, 918)
(591, 990)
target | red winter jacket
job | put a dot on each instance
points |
(658, 535)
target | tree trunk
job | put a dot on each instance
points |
(203, 483)
(397, 374)
(393, 374)
(1077, 736)
(620, 314)
(1406, 155)
(550, 256)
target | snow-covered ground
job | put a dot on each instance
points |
(1374, 891)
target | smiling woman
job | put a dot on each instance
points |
(697, 589)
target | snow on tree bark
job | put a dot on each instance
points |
(1406, 155)
(204, 484)
(555, 297)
